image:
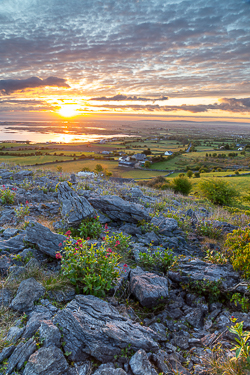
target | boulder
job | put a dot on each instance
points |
(5, 297)
(47, 361)
(118, 209)
(6, 352)
(20, 355)
(74, 208)
(48, 242)
(198, 270)
(35, 321)
(148, 288)
(166, 225)
(28, 292)
(140, 364)
(196, 318)
(14, 244)
(50, 334)
(91, 326)
(5, 263)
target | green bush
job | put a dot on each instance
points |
(189, 174)
(7, 196)
(160, 260)
(90, 228)
(218, 192)
(92, 270)
(206, 229)
(238, 249)
(197, 174)
(181, 185)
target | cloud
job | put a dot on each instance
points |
(120, 97)
(7, 86)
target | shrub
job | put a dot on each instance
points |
(160, 260)
(197, 174)
(181, 185)
(238, 249)
(119, 242)
(206, 229)
(22, 211)
(92, 270)
(98, 168)
(218, 192)
(7, 196)
(189, 174)
(91, 228)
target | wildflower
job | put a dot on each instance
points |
(109, 250)
(103, 238)
(88, 238)
(125, 265)
(68, 233)
(27, 202)
(60, 244)
(58, 256)
(117, 242)
(95, 217)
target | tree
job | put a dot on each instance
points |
(189, 174)
(147, 164)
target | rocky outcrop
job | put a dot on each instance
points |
(148, 288)
(47, 361)
(118, 209)
(48, 242)
(140, 364)
(28, 292)
(91, 326)
(74, 208)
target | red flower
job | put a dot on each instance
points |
(95, 217)
(58, 256)
(26, 202)
(117, 242)
(125, 265)
(68, 233)
(60, 244)
(88, 238)
(103, 238)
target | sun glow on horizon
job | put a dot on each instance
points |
(68, 110)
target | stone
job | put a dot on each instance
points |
(5, 263)
(47, 241)
(14, 334)
(166, 225)
(47, 361)
(50, 334)
(6, 352)
(118, 209)
(140, 364)
(21, 175)
(161, 359)
(10, 232)
(74, 208)
(198, 270)
(148, 288)
(196, 318)
(91, 326)
(28, 292)
(35, 321)
(5, 297)
(65, 295)
(110, 371)
(14, 244)
(20, 355)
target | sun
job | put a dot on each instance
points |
(68, 110)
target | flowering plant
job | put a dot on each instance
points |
(91, 269)
(6, 195)
(118, 242)
(90, 228)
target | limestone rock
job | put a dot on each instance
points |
(28, 292)
(140, 364)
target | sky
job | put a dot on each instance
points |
(162, 58)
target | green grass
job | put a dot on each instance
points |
(31, 160)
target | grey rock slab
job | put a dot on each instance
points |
(140, 364)
(5, 263)
(160, 359)
(74, 208)
(49, 334)
(14, 244)
(198, 270)
(10, 232)
(28, 292)
(91, 326)
(6, 352)
(35, 321)
(47, 241)
(148, 288)
(196, 318)
(23, 174)
(110, 371)
(20, 355)
(14, 334)
(47, 361)
(166, 225)
(65, 295)
(5, 297)
(118, 209)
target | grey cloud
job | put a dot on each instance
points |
(120, 97)
(8, 86)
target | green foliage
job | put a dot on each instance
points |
(118, 242)
(242, 349)
(181, 185)
(189, 174)
(215, 257)
(90, 228)
(92, 270)
(148, 227)
(22, 211)
(218, 191)
(238, 249)
(7, 196)
(206, 229)
(160, 260)
(197, 174)
(243, 301)
(209, 289)
(98, 168)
